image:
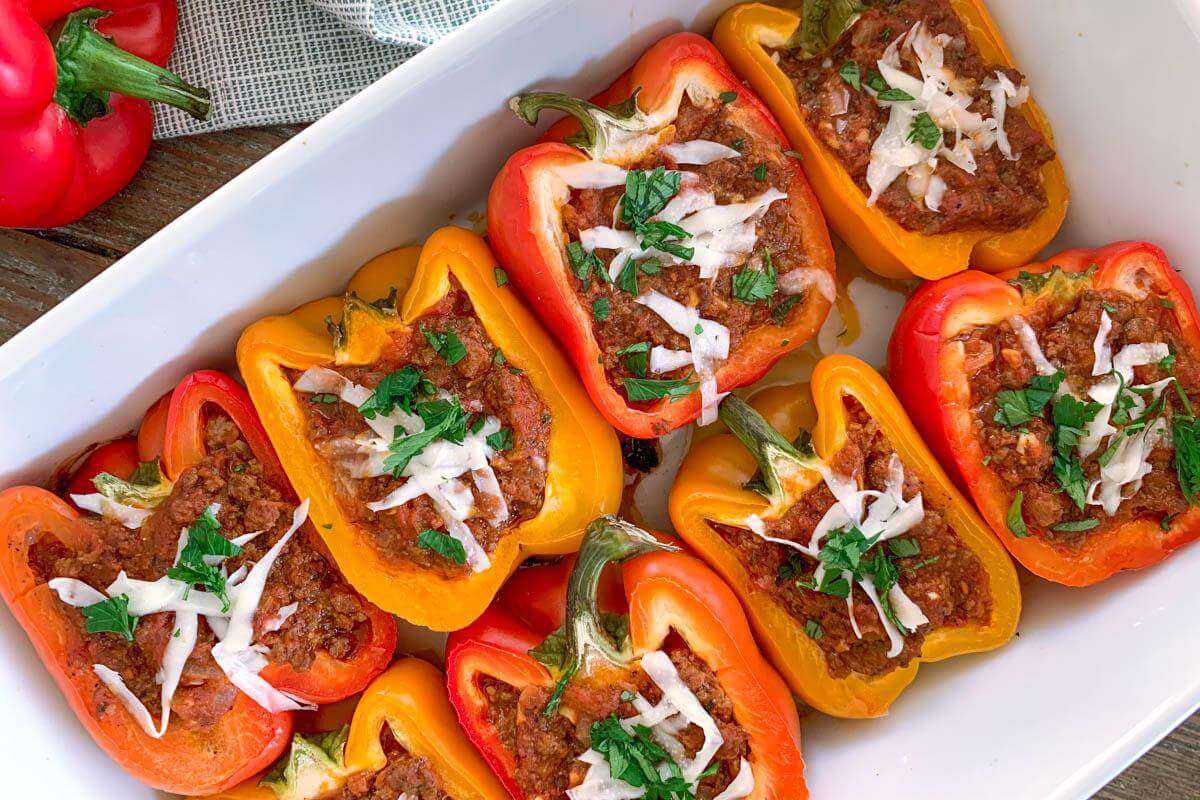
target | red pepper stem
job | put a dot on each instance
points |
(608, 540)
(596, 125)
(90, 66)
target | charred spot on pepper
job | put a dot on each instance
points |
(642, 455)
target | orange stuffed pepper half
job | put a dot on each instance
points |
(666, 235)
(439, 433)
(855, 556)
(918, 132)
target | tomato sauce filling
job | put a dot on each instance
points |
(1043, 455)
(547, 747)
(486, 386)
(999, 194)
(738, 296)
(329, 616)
(941, 575)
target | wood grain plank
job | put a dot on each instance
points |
(38, 270)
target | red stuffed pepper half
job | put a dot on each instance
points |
(191, 608)
(667, 235)
(572, 689)
(1063, 395)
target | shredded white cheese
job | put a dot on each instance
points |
(709, 345)
(591, 175)
(699, 151)
(129, 516)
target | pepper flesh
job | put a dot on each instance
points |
(525, 228)
(666, 593)
(709, 487)
(242, 742)
(745, 31)
(64, 160)
(932, 381)
(583, 470)
(410, 698)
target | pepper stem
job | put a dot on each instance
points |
(90, 67)
(778, 459)
(608, 540)
(598, 125)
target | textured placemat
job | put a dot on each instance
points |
(270, 62)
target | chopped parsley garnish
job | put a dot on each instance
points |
(627, 278)
(647, 192)
(110, 616)
(498, 358)
(1111, 309)
(885, 575)
(852, 74)
(601, 308)
(1166, 303)
(760, 172)
(780, 311)
(585, 264)
(652, 388)
(637, 357)
(922, 563)
(1164, 524)
(751, 286)
(1016, 522)
(399, 388)
(924, 131)
(446, 344)
(324, 399)
(904, 548)
(727, 97)
(1070, 416)
(793, 154)
(876, 81)
(738, 144)
(665, 236)
(204, 539)
(1185, 432)
(239, 468)
(501, 276)
(899, 95)
(1076, 526)
(635, 758)
(443, 544)
(501, 440)
(1018, 406)
(814, 630)
(444, 419)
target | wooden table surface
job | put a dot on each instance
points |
(38, 270)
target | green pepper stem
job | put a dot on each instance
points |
(776, 456)
(90, 66)
(598, 124)
(608, 540)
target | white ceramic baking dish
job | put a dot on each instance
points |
(1096, 676)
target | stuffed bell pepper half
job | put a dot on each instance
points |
(403, 741)
(855, 556)
(666, 235)
(1063, 397)
(582, 691)
(439, 433)
(917, 131)
(188, 610)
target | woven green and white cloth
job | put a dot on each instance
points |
(270, 62)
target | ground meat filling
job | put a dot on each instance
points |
(547, 747)
(1002, 195)
(945, 579)
(486, 384)
(404, 776)
(1023, 456)
(762, 165)
(329, 617)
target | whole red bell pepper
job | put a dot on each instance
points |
(666, 593)
(525, 218)
(928, 370)
(327, 679)
(75, 124)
